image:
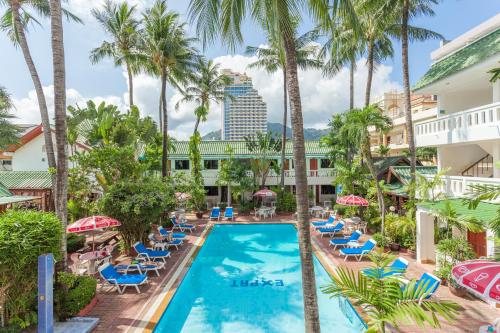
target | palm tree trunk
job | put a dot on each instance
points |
(60, 116)
(196, 124)
(283, 134)
(229, 195)
(365, 146)
(160, 117)
(311, 313)
(130, 85)
(164, 156)
(351, 85)
(42, 103)
(370, 74)
(406, 85)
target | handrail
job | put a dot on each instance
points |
(481, 160)
(459, 113)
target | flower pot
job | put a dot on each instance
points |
(403, 250)
(199, 215)
(395, 247)
(457, 290)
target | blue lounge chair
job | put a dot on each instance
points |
(182, 226)
(321, 224)
(359, 252)
(215, 214)
(142, 268)
(229, 213)
(331, 231)
(149, 254)
(175, 235)
(165, 243)
(344, 241)
(427, 285)
(398, 267)
(111, 276)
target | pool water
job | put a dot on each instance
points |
(247, 278)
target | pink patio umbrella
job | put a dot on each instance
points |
(352, 200)
(265, 193)
(92, 223)
(481, 277)
(182, 196)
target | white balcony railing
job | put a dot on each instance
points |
(477, 124)
(458, 186)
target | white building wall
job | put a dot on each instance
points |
(451, 102)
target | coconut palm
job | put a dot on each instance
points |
(207, 86)
(480, 192)
(272, 58)
(14, 22)
(166, 52)
(357, 123)
(58, 64)
(352, 176)
(385, 302)
(9, 133)
(448, 215)
(118, 21)
(263, 146)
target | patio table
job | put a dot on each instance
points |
(91, 257)
(263, 212)
(316, 210)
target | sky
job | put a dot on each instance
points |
(321, 97)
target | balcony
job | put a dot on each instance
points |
(458, 186)
(478, 124)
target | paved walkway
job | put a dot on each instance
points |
(118, 312)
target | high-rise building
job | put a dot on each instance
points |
(245, 113)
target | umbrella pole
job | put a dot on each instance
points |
(93, 243)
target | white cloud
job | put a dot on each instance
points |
(321, 97)
(83, 8)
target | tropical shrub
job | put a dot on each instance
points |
(74, 242)
(245, 206)
(285, 202)
(137, 205)
(24, 235)
(382, 241)
(341, 209)
(73, 293)
(450, 252)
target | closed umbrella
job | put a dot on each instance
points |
(480, 277)
(92, 223)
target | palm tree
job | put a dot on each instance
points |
(58, 63)
(383, 150)
(223, 18)
(272, 58)
(207, 86)
(14, 22)
(167, 53)
(384, 301)
(453, 220)
(478, 193)
(357, 123)
(263, 146)
(118, 21)
(9, 133)
(352, 176)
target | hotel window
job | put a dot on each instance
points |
(325, 163)
(211, 164)
(212, 191)
(181, 164)
(327, 189)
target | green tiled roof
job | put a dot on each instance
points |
(403, 172)
(4, 191)
(15, 198)
(470, 55)
(395, 188)
(217, 149)
(26, 179)
(383, 163)
(485, 211)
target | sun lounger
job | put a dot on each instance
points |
(426, 286)
(121, 281)
(149, 254)
(398, 267)
(331, 231)
(321, 224)
(141, 267)
(229, 213)
(175, 235)
(165, 243)
(182, 226)
(215, 213)
(344, 241)
(358, 252)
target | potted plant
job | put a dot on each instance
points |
(197, 201)
(382, 241)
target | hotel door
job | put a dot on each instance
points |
(477, 241)
(313, 167)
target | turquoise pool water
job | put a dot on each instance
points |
(247, 278)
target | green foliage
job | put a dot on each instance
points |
(245, 206)
(24, 235)
(137, 204)
(341, 209)
(74, 242)
(383, 299)
(401, 229)
(9, 133)
(451, 252)
(382, 241)
(448, 216)
(73, 293)
(195, 158)
(263, 146)
(285, 201)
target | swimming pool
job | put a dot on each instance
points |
(246, 278)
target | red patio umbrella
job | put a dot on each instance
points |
(481, 277)
(265, 193)
(92, 223)
(352, 200)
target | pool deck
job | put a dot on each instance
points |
(123, 313)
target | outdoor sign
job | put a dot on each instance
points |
(45, 293)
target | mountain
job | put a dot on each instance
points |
(309, 133)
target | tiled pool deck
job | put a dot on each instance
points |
(122, 313)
